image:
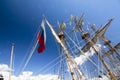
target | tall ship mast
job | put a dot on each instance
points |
(11, 60)
(77, 40)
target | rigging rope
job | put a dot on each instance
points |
(52, 66)
(31, 53)
(23, 60)
(42, 69)
(51, 61)
(83, 52)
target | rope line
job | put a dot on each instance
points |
(31, 53)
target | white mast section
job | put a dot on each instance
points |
(11, 58)
(55, 34)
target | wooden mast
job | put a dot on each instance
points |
(108, 43)
(104, 63)
(86, 37)
(112, 49)
(72, 65)
(11, 58)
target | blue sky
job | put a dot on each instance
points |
(20, 19)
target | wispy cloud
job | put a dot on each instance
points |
(83, 58)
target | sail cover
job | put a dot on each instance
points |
(41, 38)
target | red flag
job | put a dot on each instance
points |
(41, 47)
(41, 38)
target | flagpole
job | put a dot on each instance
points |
(11, 58)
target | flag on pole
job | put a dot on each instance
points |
(41, 38)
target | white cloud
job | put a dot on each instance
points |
(83, 58)
(4, 67)
(27, 75)
(47, 77)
